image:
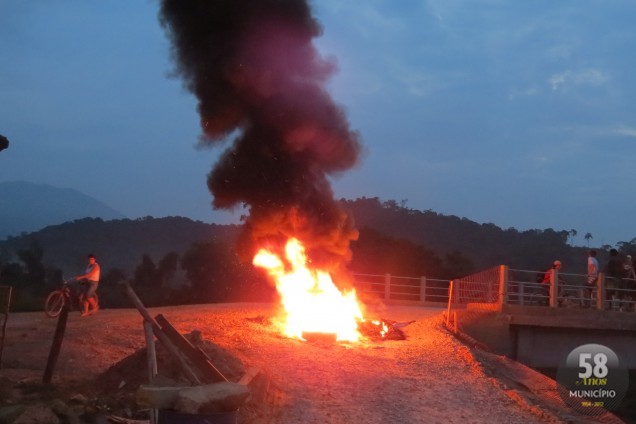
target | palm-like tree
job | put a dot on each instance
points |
(572, 233)
(588, 237)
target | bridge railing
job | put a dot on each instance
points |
(408, 289)
(501, 285)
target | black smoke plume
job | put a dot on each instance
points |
(256, 73)
(4, 142)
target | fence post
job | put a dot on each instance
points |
(600, 292)
(387, 286)
(503, 285)
(522, 293)
(450, 301)
(456, 291)
(422, 289)
(6, 306)
(554, 290)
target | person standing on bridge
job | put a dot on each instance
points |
(547, 281)
(628, 268)
(614, 273)
(592, 278)
(629, 282)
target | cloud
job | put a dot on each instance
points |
(370, 19)
(418, 83)
(626, 131)
(528, 92)
(601, 131)
(564, 80)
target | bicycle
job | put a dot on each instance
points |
(65, 295)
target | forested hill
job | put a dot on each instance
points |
(119, 243)
(122, 243)
(485, 244)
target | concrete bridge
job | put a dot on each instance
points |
(512, 314)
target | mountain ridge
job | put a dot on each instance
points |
(27, 207)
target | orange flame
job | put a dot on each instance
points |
(311, 300)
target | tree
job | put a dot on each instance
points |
(627, 248)
(32, 260)
(458, 265)
(167, 268)
(32, 279)
(216, 274)
(377, 253)
(146, 273)
(111, 294)
(572, 233)
(588, 237)
(153, 281)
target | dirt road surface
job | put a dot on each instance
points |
(431, 377)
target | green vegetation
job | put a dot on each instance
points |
(179, 261)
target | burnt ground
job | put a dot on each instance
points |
(430, 377)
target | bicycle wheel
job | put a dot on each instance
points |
(54, 303)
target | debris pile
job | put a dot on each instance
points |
(383, 329)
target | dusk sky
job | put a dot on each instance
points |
(517, 113)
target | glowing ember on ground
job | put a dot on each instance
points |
(312, 302)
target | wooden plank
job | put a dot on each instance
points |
(151, 356)
(3, 327)
(223, 396)
(163, 338)
(58, 337)
(249, 376)
(200, 360)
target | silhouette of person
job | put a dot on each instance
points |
(629, 282)
(592, 278)
(614, 272)
(547, 281)
(91, 281)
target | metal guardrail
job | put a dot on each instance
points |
(501, 285)
(395, 288)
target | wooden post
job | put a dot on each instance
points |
(601, 294)
(249, 376)
(151, 356)
(450, 300)
(456, 293)
(554, 290)
(198, 358)
(6, 318)
(422, 289)
(503, 285)
(387, 286)
(58, 337)
(189, 373)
